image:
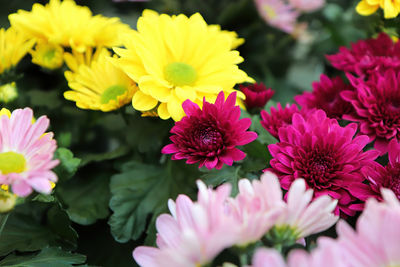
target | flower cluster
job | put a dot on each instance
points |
(196, 232)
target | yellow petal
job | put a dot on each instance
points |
(174, 107)
(143, 102)
(163, 111)
(156, 89)
(186, 92)
(389, 10)
(364, 9)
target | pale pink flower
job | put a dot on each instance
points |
(194, 234)
(376, 241)
(256, 208)
(327, 254)
(26, 153)
(278, 14)
(307, 5)
(305, 216)
(267, 257)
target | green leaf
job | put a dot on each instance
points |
(136, 192)
(35, 225)
(119, 152)
(257, 157)
(86, 198)
(142, 190)
(228, 174)
(50, 256)
(68, 163)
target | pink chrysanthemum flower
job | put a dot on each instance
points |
(368, 56)
(259, 206)
(326, 96)
(194, 233)
(278, 14)
(376, 241)
(26, 153)
(325, 154)
(210, 135)
(384, 177)
(257, 95)
(377, 107)
(278, 118)
(307, 5)
(256, 208)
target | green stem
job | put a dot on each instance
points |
(278, 247)
(3, 220)
(243, 259)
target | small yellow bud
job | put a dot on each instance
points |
(8, 92)
(7, 201)
(47, 55)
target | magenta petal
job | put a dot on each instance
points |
(189, 107)
(169, 149)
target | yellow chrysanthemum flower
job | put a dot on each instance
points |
(177, 58)
(8, 92)
(13, 47)
(69, 25)
(7, 199)
(391, 8)
(48, 55)
(98, 85)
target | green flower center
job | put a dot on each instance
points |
(180, 74)
(271, 13)
(112, 93)
(282, 236)
(11, 162)
(49, 55)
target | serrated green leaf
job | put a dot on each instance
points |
(136, 192)
(50, 256)
(68, 163)
(86, 198)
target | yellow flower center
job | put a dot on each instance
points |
(112, 93)
(271, 13)
(179, 74)
(11, 162)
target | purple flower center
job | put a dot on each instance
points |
(208, 138)
(393, 181)
(318, 166)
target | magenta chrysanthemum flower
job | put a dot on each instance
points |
(278, 118)
(210, 135)
(326, 96)
(257, 95)
(26, 152)
(384, 177)
(377, 106)
(368, 56)
(325, 154)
